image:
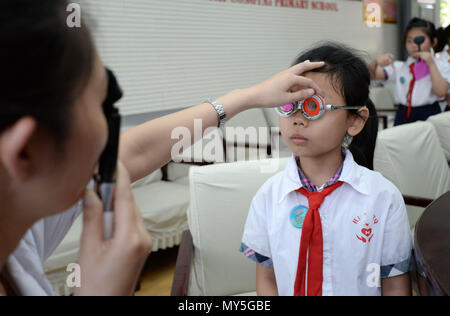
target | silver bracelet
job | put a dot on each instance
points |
(220, 112)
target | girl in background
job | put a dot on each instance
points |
(420, 81)
(442, 52)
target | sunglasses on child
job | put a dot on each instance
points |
(312, 108)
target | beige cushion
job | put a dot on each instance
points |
(176, 171)
(441, 123)
(411, 157)
(220, 200)
(382, 98)
(151, 178)
(67, 251)
(247, 294)
(163, 207)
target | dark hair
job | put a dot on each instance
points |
(44, 63)
(350, 77)
(428, 27)
(442, 36)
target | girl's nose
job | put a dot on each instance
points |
(300, 120)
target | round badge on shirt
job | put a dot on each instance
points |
(298, 215)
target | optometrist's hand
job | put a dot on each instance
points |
(286, 87)
(112, 267)
(384, 60)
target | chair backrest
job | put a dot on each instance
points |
(411, 157)
(221, 195)
(249, 127)
(441, 123)
(382, 98)
(207, 147)
(272, 117)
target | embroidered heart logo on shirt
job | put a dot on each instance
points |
(366, 232)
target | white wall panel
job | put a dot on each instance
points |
(171, 54)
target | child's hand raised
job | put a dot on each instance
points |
(385, 60)
(287, 86)
(426, 56)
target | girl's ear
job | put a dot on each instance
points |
(435, 42)
(14, 145)
(358, 121)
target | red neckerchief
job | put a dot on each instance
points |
(410, 92)
(311, 245)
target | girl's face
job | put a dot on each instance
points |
(412, 47)
(311, 139)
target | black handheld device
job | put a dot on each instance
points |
(106, 177)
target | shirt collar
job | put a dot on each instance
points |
(410, 60)
(351, 174)
(307, 184)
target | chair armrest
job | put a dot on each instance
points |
(236, 144)
(183, 267)
(387, 110)
(416, 201)
(203, 163)
(385, 120)
(166, 173)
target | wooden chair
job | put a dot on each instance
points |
(209, 262)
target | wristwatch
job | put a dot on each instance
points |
(220, 112)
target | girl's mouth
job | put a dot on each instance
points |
(298, 139)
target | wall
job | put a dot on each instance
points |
(173, 54)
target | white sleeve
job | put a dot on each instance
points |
(256, 236)
(392, 70)
(397, 246)
(389, 73)
(54, 229)
(444, 68)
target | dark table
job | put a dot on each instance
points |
(432, 246)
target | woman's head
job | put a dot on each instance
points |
(419, 27)
(52, 127)
(345, 81)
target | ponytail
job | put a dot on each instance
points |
(442, 40)
(363, 144)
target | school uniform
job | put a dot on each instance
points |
(443, 59)
(365, 230)
(414, 90)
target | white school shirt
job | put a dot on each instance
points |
(350, 265)
(444, 63)
(423, 93)
(25, 264)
